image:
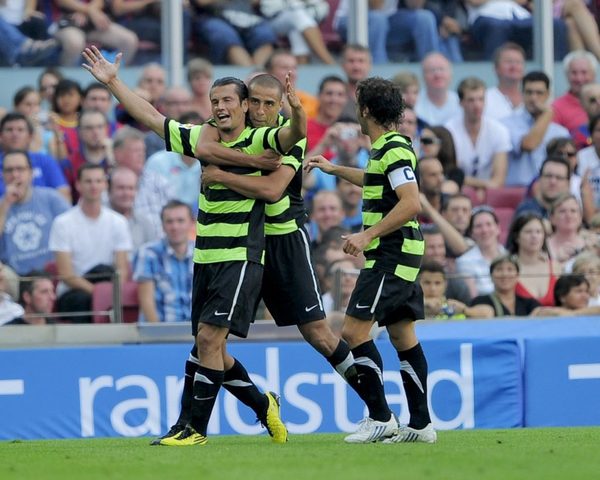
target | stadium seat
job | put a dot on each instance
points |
(102, 301)
(332, 39)
(508, 197)
(52, 270)
(472, 194)
(505, 216)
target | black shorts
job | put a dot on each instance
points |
(385, 298)
(290, 286)
(226, 295)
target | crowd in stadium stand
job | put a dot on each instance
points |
(509, 180)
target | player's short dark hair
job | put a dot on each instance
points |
(382, 98)
(266, 80)
(240, 87)
(536, 76)
(15, 117)
(564, 285)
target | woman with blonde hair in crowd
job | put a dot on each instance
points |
(569, 238)
(527, 240)
(504, 301)
(588, 265)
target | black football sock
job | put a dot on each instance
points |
(343, 362)
(413, 369)
(191, 365)
(368, 382)
(207, 383)
(237, 382)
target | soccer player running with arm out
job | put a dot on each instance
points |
(386, 290)
(217, 309)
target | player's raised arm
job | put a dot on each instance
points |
(107, 73)
(353, 175)
(296, 131)
(210, 150)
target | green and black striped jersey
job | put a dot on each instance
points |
(399, 252)
(230, 227)
(288, 213)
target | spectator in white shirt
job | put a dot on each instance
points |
(482, 143)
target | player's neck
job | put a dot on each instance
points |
(231, 135)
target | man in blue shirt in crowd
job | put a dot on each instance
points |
(164, 269)
(26, 215)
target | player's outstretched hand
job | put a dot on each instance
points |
(102, 70)
(318, 161)
(290, 92)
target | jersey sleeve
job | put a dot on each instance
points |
(181, 138)
(295, 156)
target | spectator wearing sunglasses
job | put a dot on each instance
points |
(531, 128)
(437, 142)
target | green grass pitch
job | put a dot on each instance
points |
(551, 453)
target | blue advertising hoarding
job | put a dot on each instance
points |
(134, 390)
(562, 382)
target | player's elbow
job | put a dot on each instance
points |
(272, 194)
(413, 207)
(202, 151)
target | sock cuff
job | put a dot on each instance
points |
(364, 349)
(411, 353)
(340, 353)
(208, 375)
(236, 371)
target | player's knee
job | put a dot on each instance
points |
(320, 336)
(208, 340)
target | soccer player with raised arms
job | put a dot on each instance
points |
(386, 290)
(230, 242)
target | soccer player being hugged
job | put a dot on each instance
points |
(386, 290)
